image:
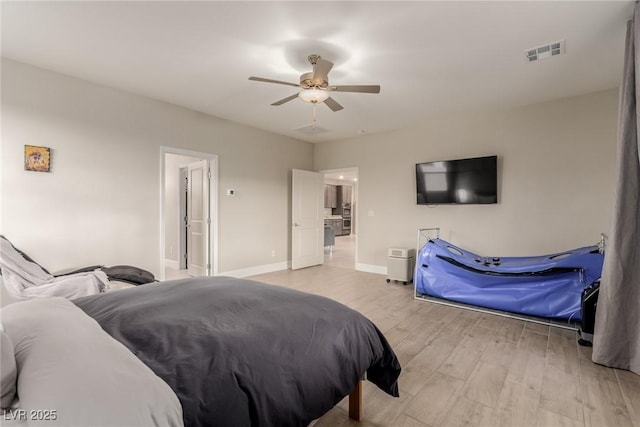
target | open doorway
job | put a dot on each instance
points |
(188, 213)
(340, 212)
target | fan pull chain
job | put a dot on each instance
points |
(313, 118)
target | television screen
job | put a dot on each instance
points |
(462, 181)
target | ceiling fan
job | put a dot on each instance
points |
(315, 85)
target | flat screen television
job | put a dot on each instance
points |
(461, 181)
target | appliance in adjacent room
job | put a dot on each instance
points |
(346, 210)
(346, 219)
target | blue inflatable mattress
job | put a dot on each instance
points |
(547, 286)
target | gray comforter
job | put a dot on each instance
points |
(239, 352)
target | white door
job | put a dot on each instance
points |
(307, 228)
(198, 218)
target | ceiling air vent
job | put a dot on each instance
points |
(544, 51)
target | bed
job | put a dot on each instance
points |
(547, 286)
(235, 352)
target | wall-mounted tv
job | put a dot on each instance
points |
(461, 181)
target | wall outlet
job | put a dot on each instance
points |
(273, 253)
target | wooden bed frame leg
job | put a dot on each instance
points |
(356, 408)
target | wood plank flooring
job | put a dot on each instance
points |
(466, 368)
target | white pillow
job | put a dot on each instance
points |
(68, 364)
(8, 370)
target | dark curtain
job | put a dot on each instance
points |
(616, 341)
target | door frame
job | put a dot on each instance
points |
(356, 190)
(213, 204)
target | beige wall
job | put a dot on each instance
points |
(556, 165)
(101, 202)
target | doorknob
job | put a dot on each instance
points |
(295, 224)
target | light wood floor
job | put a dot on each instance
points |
(343, 253)
(465, 368)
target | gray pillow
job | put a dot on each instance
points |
(68, 364)
(8, 370)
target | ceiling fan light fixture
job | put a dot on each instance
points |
(313, 95)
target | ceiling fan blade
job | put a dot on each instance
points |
(260, 79)
(287, 99)
(333, 104)
(356, 88)
(321, 70)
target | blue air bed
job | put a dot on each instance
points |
(548, 286)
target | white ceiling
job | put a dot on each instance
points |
(428, 57)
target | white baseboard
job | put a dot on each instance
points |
(171, 264)
(370, 268)
(259, 269)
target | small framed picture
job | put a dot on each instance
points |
(37, 158)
